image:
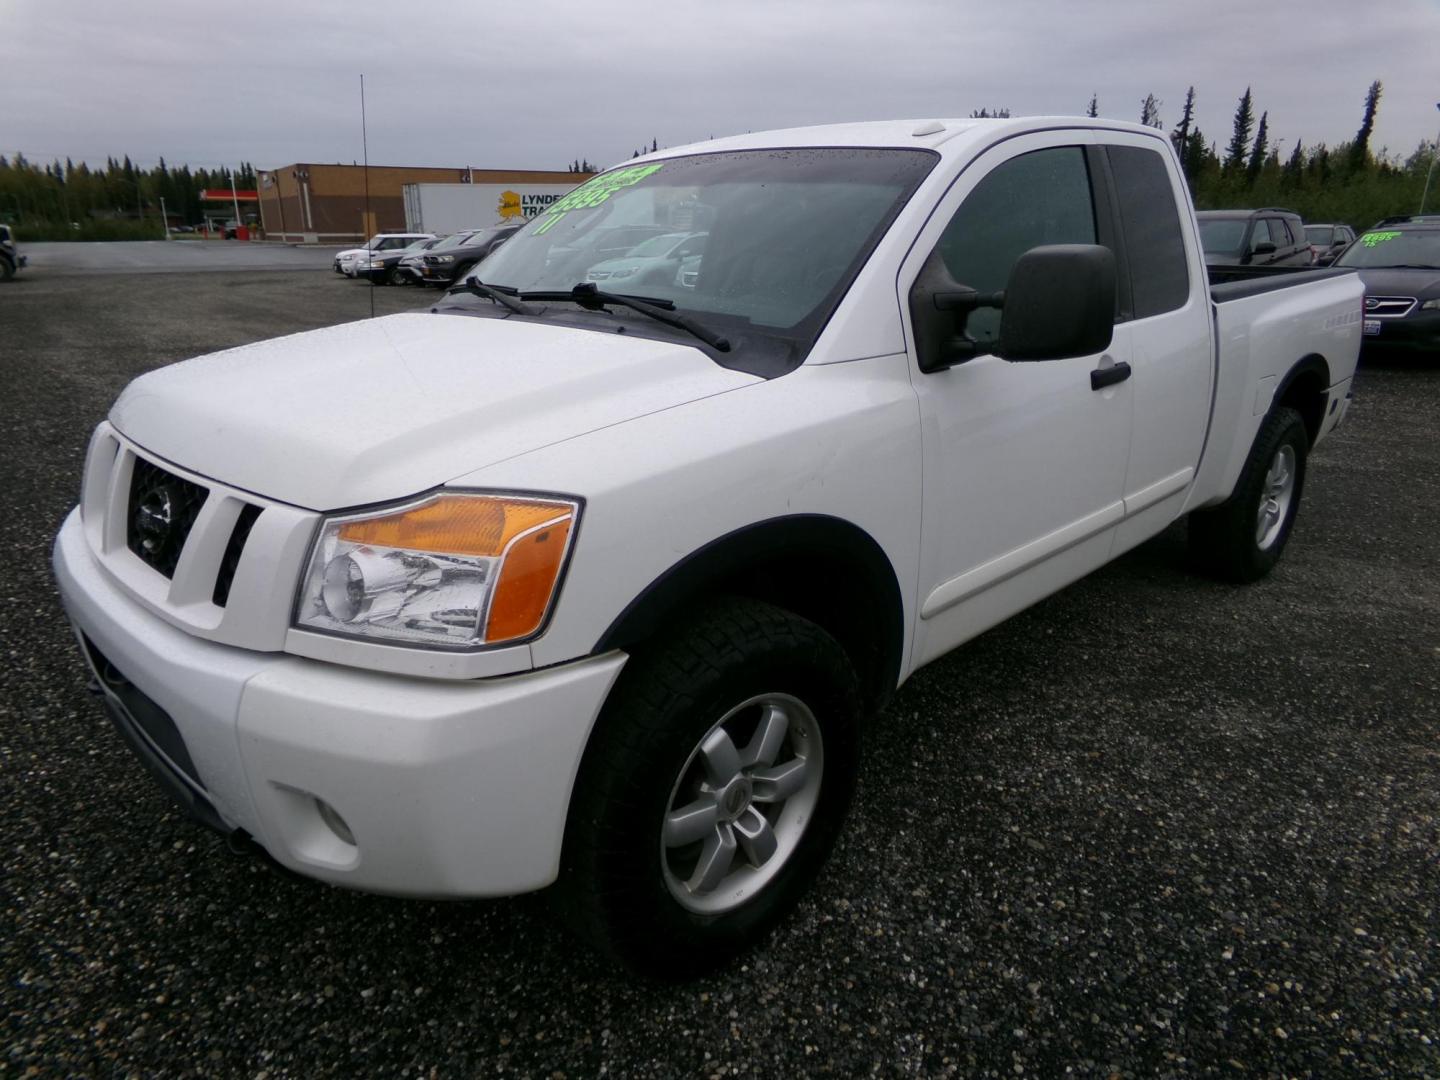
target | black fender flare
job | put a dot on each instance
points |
(824, 568)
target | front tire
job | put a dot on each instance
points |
(713, 789)
(1242, 539)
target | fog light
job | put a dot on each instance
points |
(332, 818)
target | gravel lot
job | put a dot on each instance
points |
(1155, 826)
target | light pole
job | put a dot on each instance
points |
(1434, 156)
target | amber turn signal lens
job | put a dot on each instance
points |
(457, 524)
(527, 581)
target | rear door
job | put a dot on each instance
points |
(1023, 463)
(1171, 351)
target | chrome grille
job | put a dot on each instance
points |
(1389, 307)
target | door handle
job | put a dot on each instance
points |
(1102, 377)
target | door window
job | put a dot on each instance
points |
(1261, 234)
(1154, 245)
(1042, 197)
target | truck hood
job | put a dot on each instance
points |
(382, 409)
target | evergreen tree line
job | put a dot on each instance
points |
(117, 202)
(1347, 182)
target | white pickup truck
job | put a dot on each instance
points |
(595, 587)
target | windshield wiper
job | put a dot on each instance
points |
(1411, 266)
(501, 294)
(588, 296)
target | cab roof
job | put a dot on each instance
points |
(943, 135)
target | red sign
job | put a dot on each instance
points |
(224, 195)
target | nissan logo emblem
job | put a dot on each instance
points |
(1371, 303)
(154, 518)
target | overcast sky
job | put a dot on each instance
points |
(537, 83)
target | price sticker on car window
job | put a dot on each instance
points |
(1374, 239)
(594, 192)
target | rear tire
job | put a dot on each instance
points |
(7, 269)
(713, 789)
(1242, 539)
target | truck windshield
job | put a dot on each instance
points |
(760, 242)
(1221, 236)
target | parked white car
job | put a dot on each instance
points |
(558, 587)
(352, 260)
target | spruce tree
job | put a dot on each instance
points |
(1180, 137)
(1262, 144)
(1239, 147)
(1150, 111)
(1360, 148)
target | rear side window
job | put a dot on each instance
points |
(1154, 245)
(1042, 197)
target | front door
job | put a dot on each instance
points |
(1024, 463)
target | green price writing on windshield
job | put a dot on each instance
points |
(594, 192)
(1370, 239)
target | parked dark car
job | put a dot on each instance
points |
(1400, 266)
(1328, 241)
(10, 259)
(1267, 237)
(443, 267)
(383, 267)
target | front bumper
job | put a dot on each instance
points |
(1419, 331)
(449, 789)
(437, 275)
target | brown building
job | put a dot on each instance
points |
(324, 204)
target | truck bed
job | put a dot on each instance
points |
(1234, 282)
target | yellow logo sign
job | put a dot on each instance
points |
(510, 205)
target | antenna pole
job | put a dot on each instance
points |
(365, 149)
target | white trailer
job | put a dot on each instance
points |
(448, 208)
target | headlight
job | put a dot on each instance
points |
(444, 258)
(451, 571)
(377, 264)
(624, 271)
(1430, 305)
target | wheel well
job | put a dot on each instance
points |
(1304, 390)
(821, 568)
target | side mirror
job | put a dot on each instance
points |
(939, 306)
(1265, 247)
(1059, 303)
